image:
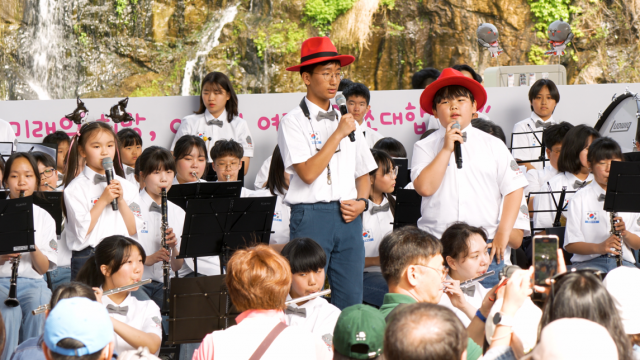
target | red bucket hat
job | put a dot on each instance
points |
(449, 77)
(319, 49)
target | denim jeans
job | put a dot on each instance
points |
(78, 258)
(154, 292)
(493, 280)
(342, 244)
(374, 288)
(603, 263)
(19, 323)
(59, 276)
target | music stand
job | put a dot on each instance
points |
(631, 156)
(404, 173)
(623, 194)
(199, 306)
(49, 149)
(407, 211)
(51, 202)
(181, 194)
(221, 226)
(212, 176)
(16, 226)
(543, 156)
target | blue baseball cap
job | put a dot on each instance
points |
(81, 319)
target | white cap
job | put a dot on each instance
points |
(574, 339)
(526, 323)
(620, 282)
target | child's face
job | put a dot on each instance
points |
(130, 272)
(195, 161)
(157, 180)
(601, 170)
(585, 152)
(475, 263)
(384, 183)
(460, 109)
(554, 155)
(543, 104)
(215, 98)
(324, 81)
(48, 176)
(227, 168)
(63, 149)
(130, 154)
(21, 178)
(100, 145)
(358, 107)
(304, 284)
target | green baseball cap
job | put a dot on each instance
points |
(359, 332)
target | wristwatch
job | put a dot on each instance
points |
(366, 203)
(503, 319)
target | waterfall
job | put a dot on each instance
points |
(209, 40)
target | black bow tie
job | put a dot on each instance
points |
(580, 184)
(215, 122)
(601, 197)
(120, 310)
(542, 124)
(97, 179)
(130, 170)
(290, 310)
(155, 207)
(381, 208)
(329, 115)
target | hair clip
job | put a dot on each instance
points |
(118, 112)
(79, 115)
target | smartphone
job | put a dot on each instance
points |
(545, 257)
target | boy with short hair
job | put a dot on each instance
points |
(329, 183)
(63, 141)
(226, 161)
(553, 136)
(358, 98)
(474, 192)
(130, 148)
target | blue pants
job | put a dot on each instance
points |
(78, 258)
(493, 280)
(603, 263)
(341, 242)
(374, 288)
(19, 323)
(59, 276)
(154, 292)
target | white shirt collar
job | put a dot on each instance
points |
(90, 174)
(222, 117)
(314, 109)
(145, 197)
(535, 117)
(384, 201)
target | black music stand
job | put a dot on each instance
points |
(543, 156)
(212, 176)
(16, 226)
(623, 194)
(51, 202)
(49, 149)
(181, 194)
(407, 211)
(199, 306)
(632, 156)
(404, 173)
(221, 226)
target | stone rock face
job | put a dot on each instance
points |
(100, 48)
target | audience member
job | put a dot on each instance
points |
(620, 283)
(424, 77)
(359, 334)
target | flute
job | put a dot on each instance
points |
(308, 297)
(466, 284)
(42, 308)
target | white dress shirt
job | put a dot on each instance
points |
(263, 174)
(299, 137)
(524, 140)
(130, 176)
(472, 194)
(587, 222)
(538, 178)
(79, 198)
(372, 136)
(281, 218)
(543, 220)
(475, 301)
(237, 129)
(64, 253)
(374, 228)
(320, 318)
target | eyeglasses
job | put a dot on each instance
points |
(46, 174)
(328, 76)
(443, 272)
(393, 173)
(232, 166)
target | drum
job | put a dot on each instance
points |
(620, 120)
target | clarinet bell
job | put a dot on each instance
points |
(11, 301)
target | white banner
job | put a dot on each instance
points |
(393, 113)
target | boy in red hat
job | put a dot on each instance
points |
(474, 192)
(329, 173)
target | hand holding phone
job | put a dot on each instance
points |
(545, 257)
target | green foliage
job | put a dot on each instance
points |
(548, 11)
(395, 26)
(122, 4)
(322, 13)
(282, 38)
(536, 55)
(419, 64)
(390, 4)
(82, 38)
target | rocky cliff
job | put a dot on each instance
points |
(115, 48)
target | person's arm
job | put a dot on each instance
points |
(475, 330)
(509, 213)
(353, 208)
(630, 238)
(371, 261)
(309, 170)
(136, 338)
(453, 291)
(125, 211)
(430, 178)
(39, 261)
(172, 241)
(515, 238)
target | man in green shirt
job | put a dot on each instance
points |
(412, 264)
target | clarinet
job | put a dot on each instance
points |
(616, 233)
(12, 299)
(166, 266)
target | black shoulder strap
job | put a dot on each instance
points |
(305, 109)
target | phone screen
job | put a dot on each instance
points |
(545, 257)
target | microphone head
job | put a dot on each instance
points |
(341, 100)
(456, 125)
(508, 270)
(107, 163)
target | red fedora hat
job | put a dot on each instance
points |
(319, 49)
(450, 77)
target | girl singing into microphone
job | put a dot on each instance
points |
(88, 198)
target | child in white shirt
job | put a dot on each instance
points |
(358, 98)
(307, 260)
(553, 137)
(543, 97)
(226, 161)
(63, 141)
(191, 156)
(217, 117)
(130, 148)
(588, 232)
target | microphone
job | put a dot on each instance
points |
(456, 147)
(107, 165)
(342, 102)
(508, 270)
